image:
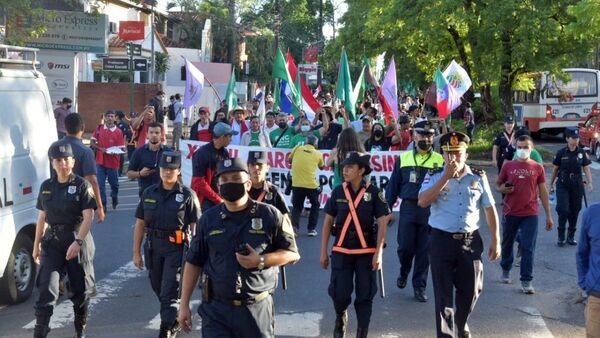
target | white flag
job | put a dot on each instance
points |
(194, 84)
(457, 78)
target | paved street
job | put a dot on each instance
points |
(126, 307)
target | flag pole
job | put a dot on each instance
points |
(209, 83)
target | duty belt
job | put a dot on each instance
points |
(158, 233)
(570, 176)
(62, 227)
(248, 301)
(459, 236)
(176, 236)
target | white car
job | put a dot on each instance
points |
(27, 128)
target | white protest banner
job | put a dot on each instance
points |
(382, 163)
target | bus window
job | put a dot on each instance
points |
(581, 84)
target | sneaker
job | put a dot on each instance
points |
(527, 288)
(312, 233)
(506, 277)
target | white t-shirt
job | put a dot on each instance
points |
(178, 107)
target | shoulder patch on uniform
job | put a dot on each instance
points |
(478, 172)
(381, 197)
(149, 200)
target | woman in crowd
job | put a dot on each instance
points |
(347, 142)
(378, 140)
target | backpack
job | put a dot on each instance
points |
(172, 112)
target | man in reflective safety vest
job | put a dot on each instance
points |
(357, 251)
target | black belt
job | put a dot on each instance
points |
(569, 176)
(243, 302)
(62, 227)
(158, 233)
(459, 236)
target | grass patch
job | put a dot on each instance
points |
(481, 145)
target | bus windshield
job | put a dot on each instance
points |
(581, 84)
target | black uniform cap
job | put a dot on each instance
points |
(256, 156)
(454, 141)
(232, 164)
(424, 127)
(361, 159)
(170, 160)
(572, 132)
(60, 149)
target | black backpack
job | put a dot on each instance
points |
(171, 112)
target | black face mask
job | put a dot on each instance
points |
(378, 133)
(232, 191)
(68, 106)
(424, 145)
(282, 125)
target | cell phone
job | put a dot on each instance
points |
(242, 249)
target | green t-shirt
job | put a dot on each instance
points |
(286, 140)
(299, 139)
(254, 139)
(535, 155)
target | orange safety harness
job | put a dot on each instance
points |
(352, 216)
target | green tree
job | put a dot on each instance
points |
(494, 41)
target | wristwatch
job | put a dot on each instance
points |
(261, 262)
(79, 241)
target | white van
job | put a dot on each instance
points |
(27, 128)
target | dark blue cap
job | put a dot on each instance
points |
(509, 119)
(572, 132)
(232, 164)
(60, 149)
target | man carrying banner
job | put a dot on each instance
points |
(204, 164)
(413, 227)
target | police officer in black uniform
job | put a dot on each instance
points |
(357, 251)
(66, 203)
(262, 190)
(502, 141)
(167, 213)
(567, 166)
(238, 246)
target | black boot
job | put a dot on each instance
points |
(341, 323)
(362, 332)
(561, 237)
(81, 314)
(571, 237)
(42, 327)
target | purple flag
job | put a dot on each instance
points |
(389, 88)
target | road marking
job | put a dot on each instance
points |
(301, 324)
(106, 288)
(538, 325)
(154, 324)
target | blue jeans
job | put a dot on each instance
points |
(113, 180)
(528, 234)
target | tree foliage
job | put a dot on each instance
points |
(495, 41)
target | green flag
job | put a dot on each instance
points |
(281, 72)
(358, 94)
(344, 86)
(231, 97)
